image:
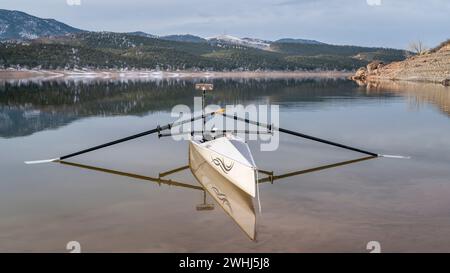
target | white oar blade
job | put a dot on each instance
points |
(396, 156)
(41, 161)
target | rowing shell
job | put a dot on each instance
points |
(233, 200)
(232, 158)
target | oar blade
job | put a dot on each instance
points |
(41, 161)
(395, 156)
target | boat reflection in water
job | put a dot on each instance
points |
(234, 201)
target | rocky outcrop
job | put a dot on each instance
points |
(433, 66)
(371, 69)
(360, 75)
(374, 67)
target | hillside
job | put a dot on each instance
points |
(184, 38)
(17, 25)
(100, 50)
(432, 66)
(30, 42)
(236, 42)
(355, 52)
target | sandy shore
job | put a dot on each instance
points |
(147, 74)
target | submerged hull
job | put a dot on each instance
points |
(236, 203)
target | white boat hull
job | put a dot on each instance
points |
(231, 157)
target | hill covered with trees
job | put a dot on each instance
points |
(106, 50)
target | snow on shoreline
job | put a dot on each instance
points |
(152, 75)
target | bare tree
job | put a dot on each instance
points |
(418, 47)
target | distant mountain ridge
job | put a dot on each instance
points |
(184, 38)
(142, 34)
(298, 41)
(17, 25)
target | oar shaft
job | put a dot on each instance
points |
(137, 176)
(326, 142)
(270, 127)
(271, 178)
(109, 144)
(158, 129)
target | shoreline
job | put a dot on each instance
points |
(374, 80)
(430, 67)
(6, 75)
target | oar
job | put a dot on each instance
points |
(149, 132)
(286, 131)
(158, 180)
(271, 177)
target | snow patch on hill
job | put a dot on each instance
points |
(3, 28)
(28, 35)
(232, 40)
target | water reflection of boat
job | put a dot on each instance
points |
(236, 203)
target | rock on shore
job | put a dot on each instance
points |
(433, 66)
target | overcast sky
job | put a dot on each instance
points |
(389, 23)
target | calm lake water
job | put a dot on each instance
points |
(403, 204)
